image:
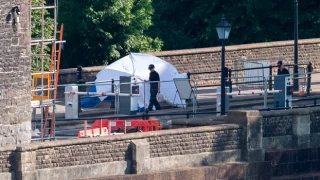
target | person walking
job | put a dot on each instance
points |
(281, 69)
(154, 88)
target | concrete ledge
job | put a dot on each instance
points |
(201, 159)
(234, 48)
(288, 112)
(7, 148)
(7, 176)
(92, 170)
(230, 171)
(131, 136)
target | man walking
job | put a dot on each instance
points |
(154, 88)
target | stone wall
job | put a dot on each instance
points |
(83, 154)
(294, 161)
(195, 143)
(123, 154)
(15, 74)
(208, 59)
(291, 128)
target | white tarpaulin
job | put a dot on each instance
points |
(136, 64)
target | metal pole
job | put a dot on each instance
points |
(296, 80)
(309, 78)
(112, 97)
(270, 77)
(223, 93)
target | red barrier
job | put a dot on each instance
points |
(136, 125)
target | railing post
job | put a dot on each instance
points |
(309, 70)
(287, 103)
(147, 115)
(112, 97)
(270, 77)
(230, 81)
(80, 88)
(189, 74)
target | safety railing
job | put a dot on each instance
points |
(259, 82)
(194, 99)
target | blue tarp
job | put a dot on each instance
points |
(91, 102)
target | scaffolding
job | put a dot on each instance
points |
(45, 66)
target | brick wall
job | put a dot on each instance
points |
(83, 154)
(195, 143)
(15, 75)
(208, 59)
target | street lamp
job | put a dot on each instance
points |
(223, 30)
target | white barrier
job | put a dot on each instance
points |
(254, 92)
(102, 94)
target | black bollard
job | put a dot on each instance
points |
(277, 104)
(270, 77)
(309, 68)
(112, 97)
(80, 88)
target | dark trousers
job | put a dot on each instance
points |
(153, 99)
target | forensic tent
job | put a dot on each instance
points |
(136, 64)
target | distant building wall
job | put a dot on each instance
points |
(15, 75)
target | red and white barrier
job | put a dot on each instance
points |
(253, 92)
(102, 94)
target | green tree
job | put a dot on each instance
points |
(191, 23)
(101, 31)
(36, 33)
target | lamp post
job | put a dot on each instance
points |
(295, 70)
(223, 30)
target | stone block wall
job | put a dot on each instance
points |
(15, 74)
(291, 128)
(195, 143)
(294, 161)
(83, 154)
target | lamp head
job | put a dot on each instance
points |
(223, 28)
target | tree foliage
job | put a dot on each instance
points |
(191, 23)
(101, 31)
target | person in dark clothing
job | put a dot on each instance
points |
(154, 88)
(282, 70)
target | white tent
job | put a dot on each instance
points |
(136, 64)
